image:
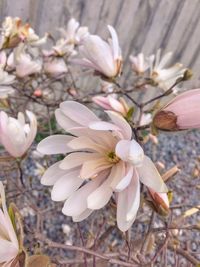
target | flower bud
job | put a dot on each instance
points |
(181, 113)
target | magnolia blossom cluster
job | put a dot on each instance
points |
(103, 161)
(21, 56)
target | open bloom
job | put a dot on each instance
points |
(103, 161)
(104, 57)
(70, 37)
(15, 135)
(74, 34)
(9, 245)
(111, 103)
(165, 77)
(181, 113)
(139, 63)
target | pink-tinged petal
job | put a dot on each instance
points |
(115, 43)
(103, 126)
(92, 167)
(82, 216)
(8, 251)
(121, 123)
(65, 122)
(66, 185)
(84, 142)
(130, 151)
(150, 176)
(127, 205)
(125, 181)
(52, 174)
(101, 101)
(78, 113)
(55, 144)
(76, 204)
(116, 105)
(75, 159)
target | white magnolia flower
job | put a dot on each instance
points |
(17, 136)
(103, 57)
(9, 245)
(103, 160)
(74, 34)
(165, 77)
(71, 37)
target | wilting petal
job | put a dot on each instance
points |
(150, 176)
(130, 151)
(66, 185)
(55, 144)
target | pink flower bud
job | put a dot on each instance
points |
(111, 103)
(181, 113)
(37, 92)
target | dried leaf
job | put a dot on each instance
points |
(39, 261)
(170, 173)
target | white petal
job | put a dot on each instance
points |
(75, 159)
(8, 251)
(77, 203)
(82, 216)
(127, 205)
(150, 176)
(78, 112)
(66, 185)
(103, 126)
(52, 174)
(121, 123)
(100, 197)
(125, 181)
(130, 151)
(84, 142)
(115, 43)
(65, 122)
(55, 144)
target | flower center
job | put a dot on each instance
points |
(112, 157)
